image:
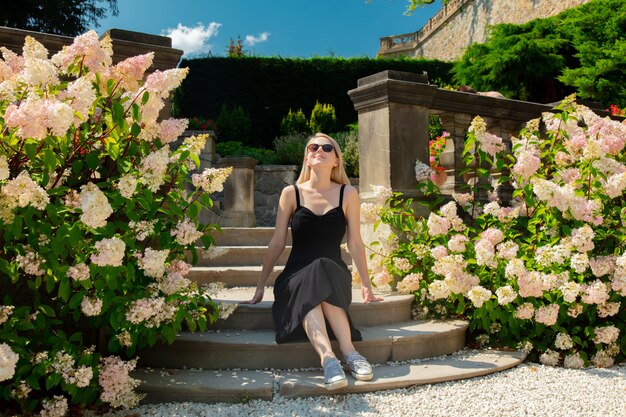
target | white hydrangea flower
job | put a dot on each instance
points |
(506, 295)
(95, 206)
(479, 295)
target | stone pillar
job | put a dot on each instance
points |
(393, 134)
(238, 209)
(393, 130)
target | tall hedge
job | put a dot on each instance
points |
(267, 87)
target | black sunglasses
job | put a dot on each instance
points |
(327, 147)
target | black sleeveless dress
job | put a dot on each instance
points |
(314, 272)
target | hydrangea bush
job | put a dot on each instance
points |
(542, 269)
(98, 216)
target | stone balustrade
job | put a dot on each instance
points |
(394, 108)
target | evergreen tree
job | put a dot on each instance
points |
(580, 50)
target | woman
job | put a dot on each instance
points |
(314, 291)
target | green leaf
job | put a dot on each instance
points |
(194, 209)
(47, 310)
(93, 160)
(31, 150)
(52, 380)
(76, 299)
(74, 236)
(77, 166)
(115, 324)
(33, 381)
(118, 113)
(50, 283)
(168, 334)
(111, 281)
(64, 289)
(135, 130)
(49, 159)
(113, 149)
(135, 112)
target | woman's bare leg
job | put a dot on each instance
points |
(315, 328)
(338, 320)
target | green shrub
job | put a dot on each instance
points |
(543, 270)
(294, 122)
(349, 144)
(323, 118)
(234, 124)
(236, 148)
(98, 218)
(290, 148)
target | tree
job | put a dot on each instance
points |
(597, 30)
(235, 50)
(519, 61)
(62, 17)
(580, 50)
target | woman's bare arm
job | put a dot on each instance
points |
(286, 207)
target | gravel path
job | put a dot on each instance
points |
(527, 390)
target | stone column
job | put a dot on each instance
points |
(393, 130)
(393, 134)
(238, 209)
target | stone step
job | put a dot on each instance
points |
(245, 236)
(244, 255)
(210, 386)
(231, 276)
(394, 308)
(256, 349)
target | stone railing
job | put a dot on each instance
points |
(408, 43)
(394, 109)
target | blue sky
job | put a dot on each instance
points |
(287, 28)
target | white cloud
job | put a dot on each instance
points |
(253, 40)
(192, 40)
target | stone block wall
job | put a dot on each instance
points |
(269, 181)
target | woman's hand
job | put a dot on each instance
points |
(257, 298)
(368, 295)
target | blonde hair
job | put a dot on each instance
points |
(338, 174)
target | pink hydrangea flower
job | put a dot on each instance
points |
(547, 315)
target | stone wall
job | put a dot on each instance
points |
(269, 181)
(447, 35)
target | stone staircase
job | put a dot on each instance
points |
(238, 360)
